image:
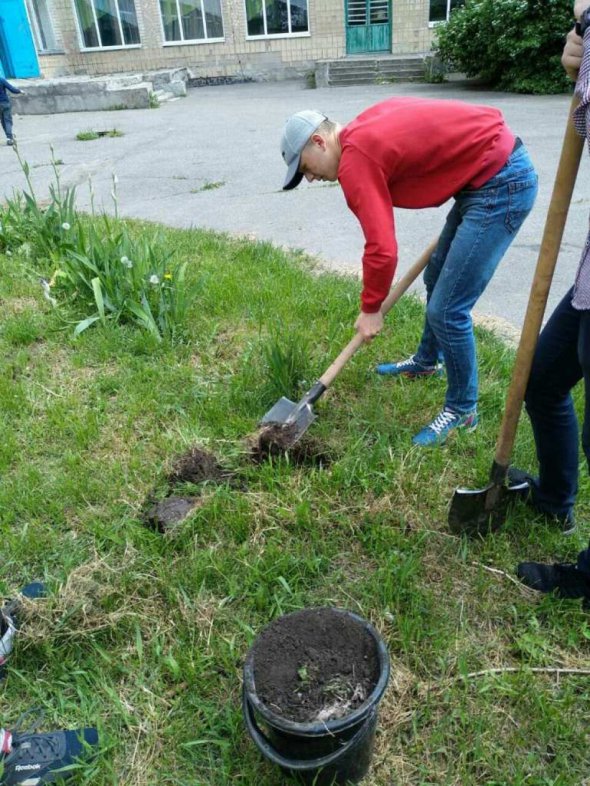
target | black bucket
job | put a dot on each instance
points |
(328, 753)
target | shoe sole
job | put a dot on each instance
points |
(410, 374)
(468, 429)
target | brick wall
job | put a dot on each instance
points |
(272, 58)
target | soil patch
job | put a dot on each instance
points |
(197, 466)
(169, 512)
(315, 665)
(277, 440)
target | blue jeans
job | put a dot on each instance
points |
(478, 230)
(562, 359)
(6, 119)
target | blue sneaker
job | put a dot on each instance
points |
(31, 759)
(409, 368)
(437, 432)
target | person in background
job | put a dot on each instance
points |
(416, 153)
(6, 109)
(562, 359)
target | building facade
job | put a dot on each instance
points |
(258, 39)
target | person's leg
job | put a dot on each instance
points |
(555, 371)
(490, 218)
(426, 361)
(429, 353)
(7, 121)
(2, 119)
(563, 351)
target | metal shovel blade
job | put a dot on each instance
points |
(479, 511)
(294, 418)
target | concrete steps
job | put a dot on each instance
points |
(91, 94)
(369, 70)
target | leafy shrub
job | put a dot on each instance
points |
(511, 44)
(115, 276)
(97, 268)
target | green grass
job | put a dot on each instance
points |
(145, 635)
(209, 185)
(90, 134)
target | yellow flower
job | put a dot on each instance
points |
(168, 276)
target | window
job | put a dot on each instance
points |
(107, 23)
(191, 20)
(41, 26)
(440, 10)
(277, 17)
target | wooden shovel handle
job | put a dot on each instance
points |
(394, 295)
(565, 180)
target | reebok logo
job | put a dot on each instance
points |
(20, 767)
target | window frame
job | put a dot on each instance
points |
(439, 21)
(101, 48)
(32, 15)
(270, 36)
(190, 41)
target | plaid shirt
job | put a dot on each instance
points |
(581, 297)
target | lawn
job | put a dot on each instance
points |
(144, 634)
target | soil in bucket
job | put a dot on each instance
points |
(313, 681)
(315, 666)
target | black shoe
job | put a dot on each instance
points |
(521, 483)
(31, 759)
(562, 578)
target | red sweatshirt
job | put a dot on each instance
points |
(413, 153)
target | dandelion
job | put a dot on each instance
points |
(126, 262)
(65, 226)
(154, 279)
(167, 276)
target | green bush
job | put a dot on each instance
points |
(511, 44)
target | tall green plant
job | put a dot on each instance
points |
(286, 359)
(35, 229)
(116, 276)
(512, 45)
(98, 268)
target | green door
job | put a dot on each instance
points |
(368, 26)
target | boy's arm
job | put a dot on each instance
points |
(8, 86)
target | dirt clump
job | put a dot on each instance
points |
(315, 665)
(197, 466)
(166, 514)
(277, 440)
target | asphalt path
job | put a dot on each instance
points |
(212, 160)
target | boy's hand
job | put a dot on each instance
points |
(368, 325)
(571, 58)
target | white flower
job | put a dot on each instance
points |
(47, 291)
(126, 262)
(65, 226)
(154, 279)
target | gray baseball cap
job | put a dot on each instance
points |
(298, 130)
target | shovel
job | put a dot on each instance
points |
(478, 511)
(293, 419)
